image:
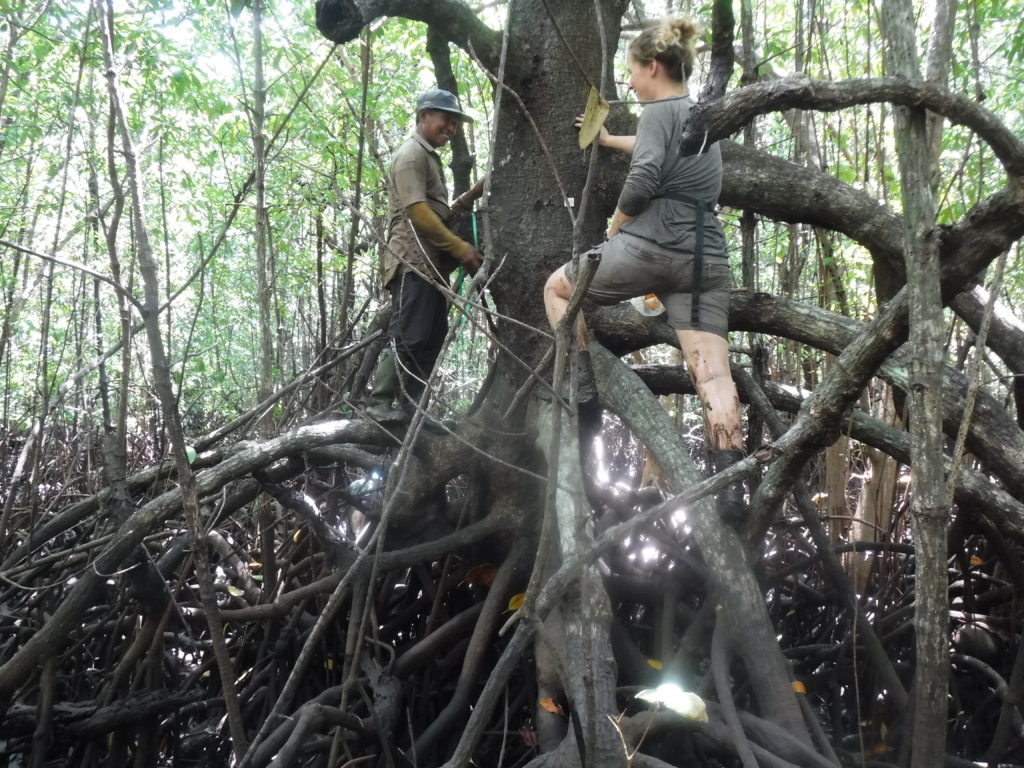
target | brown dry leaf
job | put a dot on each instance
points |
(481, 574)
(799, 687)
(551, 706)
(593, 117)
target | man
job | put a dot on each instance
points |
(421, 254)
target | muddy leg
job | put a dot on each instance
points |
(707, 359)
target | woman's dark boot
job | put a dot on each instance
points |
(586, 389)
(732, 507)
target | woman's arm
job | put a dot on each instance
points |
(624, 143)
(605, 139)
(646, 165)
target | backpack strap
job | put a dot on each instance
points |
(700, 207)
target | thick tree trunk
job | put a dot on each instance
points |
(580, 634)
(929, 506)
(539, 170)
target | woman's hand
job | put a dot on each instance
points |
(602, 136)
(605, 139)
(618, 219)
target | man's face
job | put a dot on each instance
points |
(437, 126)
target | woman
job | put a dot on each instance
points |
(664, 231)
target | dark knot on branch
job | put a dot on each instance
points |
(339, 20)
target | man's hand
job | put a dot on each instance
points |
(472, 260)
(464, 202)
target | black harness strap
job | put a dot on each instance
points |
(700, 207)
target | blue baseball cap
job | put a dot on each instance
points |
(437, 98)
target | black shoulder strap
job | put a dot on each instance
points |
(700, 207)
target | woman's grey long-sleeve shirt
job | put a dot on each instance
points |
(658, 168)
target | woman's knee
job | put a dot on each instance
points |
(558, 284)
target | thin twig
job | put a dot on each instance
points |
(121, 290)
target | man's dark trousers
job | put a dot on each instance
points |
(418, 327)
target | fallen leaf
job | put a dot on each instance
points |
(654, 664)
(517, 601)
(552, 706)
(481, 574)
(235, 591)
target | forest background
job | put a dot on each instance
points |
(191, 206)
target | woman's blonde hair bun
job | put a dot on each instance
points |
(670, 41)
(677, 30)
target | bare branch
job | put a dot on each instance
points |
(720, 119)
(341, 21)
(80, 267)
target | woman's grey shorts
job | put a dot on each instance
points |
(631, 266)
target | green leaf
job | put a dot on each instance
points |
(593, 117)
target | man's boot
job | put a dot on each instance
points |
(732, 507)
(411, 393)
(385, 387)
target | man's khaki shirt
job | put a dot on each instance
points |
(415, 177)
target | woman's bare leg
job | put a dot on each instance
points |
(707, 359)
(557, 291)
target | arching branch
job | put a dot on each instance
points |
(340, 21)
(752, 180)
(720, 119)
(975, 492)
(997, 441)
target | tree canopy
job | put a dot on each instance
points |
(210, 556)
